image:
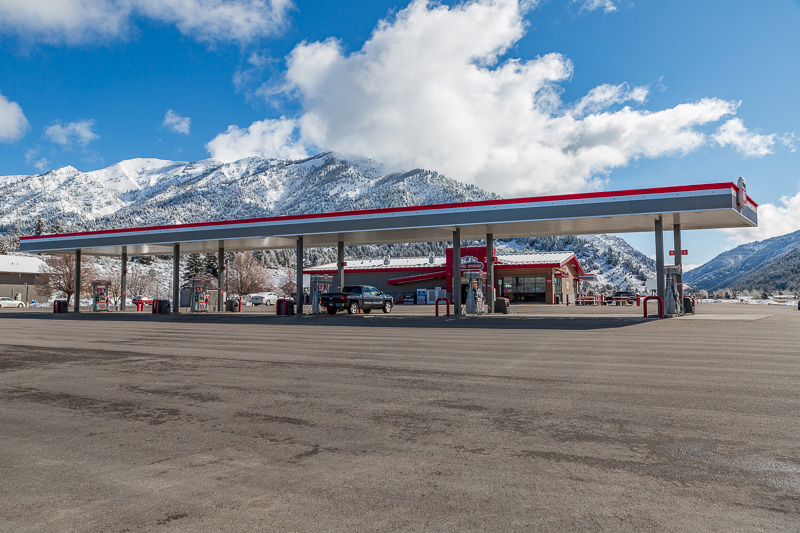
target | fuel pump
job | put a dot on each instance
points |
(199, 303)
(100, 295)
(672, 299)
(319, 286)
(476, 303)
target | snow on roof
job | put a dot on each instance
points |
(411, 263)
(535, 258)
(20, 264)
(394, 262)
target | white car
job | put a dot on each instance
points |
(8, 302)
(266, 298)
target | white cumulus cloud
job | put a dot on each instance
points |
(32, 157)
(13, 124)
(78, 132)
(176, 123)
(773, 220)
(431, 88)
(607, 6)
(734, 133)
(75, 21)
(265, 138)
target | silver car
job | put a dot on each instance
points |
(8, 302)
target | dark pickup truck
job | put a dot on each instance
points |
(355, 297)
(621, 298)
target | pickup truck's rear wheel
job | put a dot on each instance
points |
(331, 310)
(387, 307)
(352, 308)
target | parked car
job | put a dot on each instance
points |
(266, 298)
(621, 298)
(355, 297)
(147, 300)
(8, 302)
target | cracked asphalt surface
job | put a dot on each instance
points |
(126, 422)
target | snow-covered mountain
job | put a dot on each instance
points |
(141, 192)
(771, 264)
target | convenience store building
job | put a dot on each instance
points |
(543, 277)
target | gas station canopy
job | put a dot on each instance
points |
(706, 206)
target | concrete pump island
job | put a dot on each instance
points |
(577, 418)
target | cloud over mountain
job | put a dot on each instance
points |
(433, 88)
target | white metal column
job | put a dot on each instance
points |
(660, 281)
(176, 279)
(77, 281)
(123, 285)
(676, 230)
(490, 272)
(340, 264)
(299, 302)
(221, 277)
(457, 271)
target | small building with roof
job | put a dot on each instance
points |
(18, 276)
(544, 277)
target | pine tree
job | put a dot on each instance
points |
(211, 265)
(56, 227)
(38, 227)
(194, 267)
(13, 240)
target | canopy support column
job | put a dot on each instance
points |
(340, 264)
(77, 281)
(221, 277)
(676, 235)
(490, 272)
(660, 281)
(176, 279)
(457, 271)
(123, 284)
(299, 302)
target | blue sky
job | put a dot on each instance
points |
(521, 98)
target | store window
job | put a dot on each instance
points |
(525, 288)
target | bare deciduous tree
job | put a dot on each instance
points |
(290, 285)
(58, 275)
(137, 281)
(246, 274)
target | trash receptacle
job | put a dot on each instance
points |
(161, 307)
(60, 306)
(234, 305)
(284, 307)
(501, 305)
(688, 305)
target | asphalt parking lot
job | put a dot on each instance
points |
(551, 419)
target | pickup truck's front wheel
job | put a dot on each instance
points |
(352, 309)
(387, 307)
(331, 310)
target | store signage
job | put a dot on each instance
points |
(683, 252)
(470, 262)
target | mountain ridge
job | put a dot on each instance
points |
(150, 192)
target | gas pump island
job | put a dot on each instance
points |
(200, 286)
(672, 296)
(475, 301)
(319, 286)
(100, 295)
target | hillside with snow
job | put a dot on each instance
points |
(143, 192)
(768, 265)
